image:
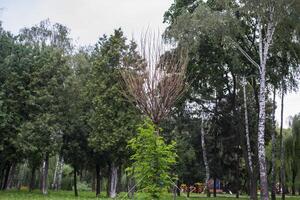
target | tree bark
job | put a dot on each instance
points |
(6, 176)
(75, 182)
(98, 180)
(247, 127)
(273, 172)
(174, 190)
(282, 149)
(263, 54)
(113, 180)
(93, 181)
(207, 175)
(11, 176)
(178, 188)
(2, 176)
(55, 175)
(215, 189)
(252, 185)
(261, 136)
(294, 175)
(130, 185)
(60, 172)
(45, 175)
(32, 179)
(119, 182)
(238, 177)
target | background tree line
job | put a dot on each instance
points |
(63, 114)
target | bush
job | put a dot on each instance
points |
(83, 186)
(152, 160)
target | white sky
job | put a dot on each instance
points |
(87, 19)
(90, 19)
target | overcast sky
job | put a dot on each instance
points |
(90, 19)
(87, 19)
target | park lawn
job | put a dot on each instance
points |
(69, 195)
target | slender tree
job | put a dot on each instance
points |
(273, 170)
(204, 153)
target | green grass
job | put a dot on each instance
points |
(69, 195)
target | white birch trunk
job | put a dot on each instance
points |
(113, 180)
(54, 183)
(11, 176)
(45, 175)
(60, 172)
(264, 44)
(204, 153)
(247, 127)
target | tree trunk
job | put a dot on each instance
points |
(54, 183)
(57, 177)
(264, 44)
(282, 149)
(93, 181)
(113, 180)
(178, 188)
(119, 182)
(11, 176)
(32, 179)
(248, 157)
(98, 180)
(6, 176)
(238, 177)
(2, 176)
(207, 175)
(215, 187)
(75, 182)
(130, 187)
(41, 178)
(261, 136)
(294, 175)
(60, 172)
(174, 190)
(247, 129)
(273, 172)
(253, 187)
(45, 175)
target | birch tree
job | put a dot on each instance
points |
(204, 153)
(268, 15)
(253, 192)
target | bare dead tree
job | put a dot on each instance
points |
(155, 78)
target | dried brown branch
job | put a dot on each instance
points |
(155, 79)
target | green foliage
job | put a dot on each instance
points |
(152, 160)
(111, 118)
(83, 186)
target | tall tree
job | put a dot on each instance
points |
(43, 129)
(154, 81)
(112, 118)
